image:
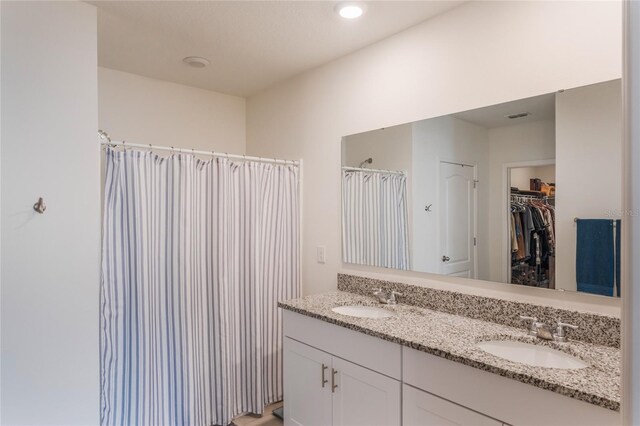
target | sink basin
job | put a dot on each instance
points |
(534, 355)
(363, 311)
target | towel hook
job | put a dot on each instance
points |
(40, 207)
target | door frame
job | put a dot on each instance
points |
(506, 206)
(475, 208)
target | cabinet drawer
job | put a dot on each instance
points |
(421, 408)
(371, 352)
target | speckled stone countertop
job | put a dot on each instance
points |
(454, 337)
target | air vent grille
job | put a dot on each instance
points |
(518, 115)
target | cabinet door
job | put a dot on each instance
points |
(307, 385)
(363, 397)
(421, 408)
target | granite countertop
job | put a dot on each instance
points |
(454, 337)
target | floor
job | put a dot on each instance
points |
(267, 419)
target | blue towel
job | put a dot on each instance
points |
(597, 260)
(618, 255)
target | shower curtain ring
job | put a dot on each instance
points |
(193, 153)
(124, 147)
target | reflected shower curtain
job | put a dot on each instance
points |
(196, 255)
(374, 219)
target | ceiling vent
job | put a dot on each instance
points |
(518, 115)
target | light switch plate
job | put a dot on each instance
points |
(320, 252)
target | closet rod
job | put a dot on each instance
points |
(106, 140)
(529, 196)
(363, 169)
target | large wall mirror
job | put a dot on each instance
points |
(527, 192)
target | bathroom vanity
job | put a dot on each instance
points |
(419, 366)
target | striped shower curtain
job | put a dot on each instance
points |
(196, 255)
(374, 219)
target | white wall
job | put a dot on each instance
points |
(390, 148)
(454, 140)
(50, 262)
(521, 176)
(149, 111)
(479, 54)
(589, 166)
(508, 145)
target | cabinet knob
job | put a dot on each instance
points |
(446, 258)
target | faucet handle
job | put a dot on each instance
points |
(532, 326)
(392, 297)
(560, 334)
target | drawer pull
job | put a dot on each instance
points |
(324, 381)
(333, 380)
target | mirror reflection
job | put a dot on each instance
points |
(527, 192)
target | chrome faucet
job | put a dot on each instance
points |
(544, 331)
(560, 334)
(387, 298)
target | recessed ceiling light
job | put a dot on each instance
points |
(350, 10)
(196, 61)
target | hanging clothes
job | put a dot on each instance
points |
(533, 231)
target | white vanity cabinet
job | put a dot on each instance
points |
(364, 397)
(335, 376)
(307, 385)
(321, 389)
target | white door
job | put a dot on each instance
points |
(420, 408)
(307, 385)
(456, 220)
(363, 397)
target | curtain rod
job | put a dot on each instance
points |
(363, 169)
(106, 140)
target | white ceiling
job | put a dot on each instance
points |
(541, 107)
(252, 45)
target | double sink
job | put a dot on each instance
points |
(515, 351)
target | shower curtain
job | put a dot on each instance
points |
(374, 219)
(196, 255)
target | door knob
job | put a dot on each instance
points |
(446, 258)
